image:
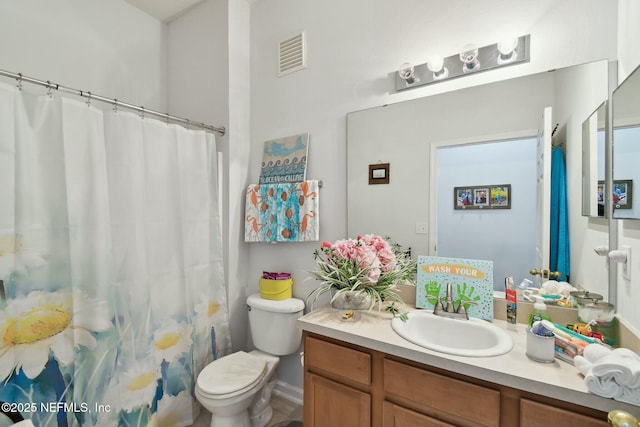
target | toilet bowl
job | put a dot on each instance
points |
(228, 387)
(236, 388)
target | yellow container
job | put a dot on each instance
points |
(276, 289)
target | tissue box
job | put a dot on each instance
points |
(276, 289)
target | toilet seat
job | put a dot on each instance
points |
(231, 375)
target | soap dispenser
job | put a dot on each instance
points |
(539, 311)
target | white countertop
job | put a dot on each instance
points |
(558, 380)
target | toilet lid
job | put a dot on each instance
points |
(232, 373)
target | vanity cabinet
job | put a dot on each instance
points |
(345, 384)
(337, 384)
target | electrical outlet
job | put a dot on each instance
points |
(421, 228)
(626, 267)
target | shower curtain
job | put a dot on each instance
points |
(111, 257)
(560, 255)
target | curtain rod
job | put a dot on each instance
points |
(20, 78)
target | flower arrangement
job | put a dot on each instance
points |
(368, 265)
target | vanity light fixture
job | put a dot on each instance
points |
(507, 50)
(435, 64)
(407, 73)
(470, 60)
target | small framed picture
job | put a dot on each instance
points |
(481, 197)
(500, 196)
(379, 173)
(463, 197)
(622, 194)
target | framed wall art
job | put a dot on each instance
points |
(482, 197)
(622, 194)
(379, 173)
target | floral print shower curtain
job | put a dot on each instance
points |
(113, 295)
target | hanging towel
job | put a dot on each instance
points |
(282, 212)
(559, 248)
(308, 201)
(287, 213)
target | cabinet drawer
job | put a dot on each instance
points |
(460, 400)
(396, 416)
(337, 362)
(536, 414)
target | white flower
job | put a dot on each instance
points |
(14, 258)
(175, 410)
(138, 386)
(32, 326)
(171, 340)
(205, 311)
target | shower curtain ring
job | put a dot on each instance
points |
(142, 112)
(115, 105)
(88, 99)
(49, 90)
(19, 85)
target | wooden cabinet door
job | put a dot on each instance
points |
(397, 416)
(536, 414)
(328, 403)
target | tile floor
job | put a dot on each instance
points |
(283, 410)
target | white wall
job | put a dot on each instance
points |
(109, 48)
(209, 81)
(353, 48)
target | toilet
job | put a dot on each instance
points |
(236, 388)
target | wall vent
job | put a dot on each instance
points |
(292, 55)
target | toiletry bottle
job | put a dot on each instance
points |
(512, 302)
(539, 310)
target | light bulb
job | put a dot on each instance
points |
(507, 49)
(435, 64)
(407, 73)
(469, 57)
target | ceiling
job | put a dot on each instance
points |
(164, 10)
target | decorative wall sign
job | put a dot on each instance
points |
(285, 159)
(472, 280)
(482, 197)
(379, 173)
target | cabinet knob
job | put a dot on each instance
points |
(620, 418)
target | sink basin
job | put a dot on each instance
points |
(473, 337)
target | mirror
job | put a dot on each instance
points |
(407, 208)
(593, 154)
(626, 148)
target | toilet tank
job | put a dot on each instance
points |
(273, 324)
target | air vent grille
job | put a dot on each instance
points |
(292, 55)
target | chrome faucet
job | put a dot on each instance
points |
(449, 309)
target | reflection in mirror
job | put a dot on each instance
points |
(593, 146)
(626, 148)
(403, 135)
(488, 163)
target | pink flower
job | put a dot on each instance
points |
(369, 253)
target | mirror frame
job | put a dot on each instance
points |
(620, 122)
(592, 162)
